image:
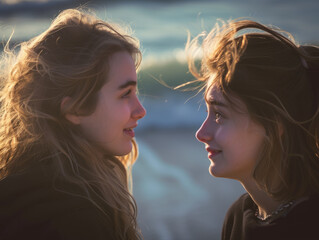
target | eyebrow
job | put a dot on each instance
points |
(128, 84)
(216, 103)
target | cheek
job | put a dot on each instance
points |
(235, 142)
(248, 148)
(121, 113)
(117, 119)
(225, 136)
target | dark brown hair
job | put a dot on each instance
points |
(278, 81)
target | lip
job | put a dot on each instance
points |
(130, 131)
(212, 152)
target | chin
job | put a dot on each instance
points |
(124, 150)
(211, 171)
(119, 149)
(214, 172)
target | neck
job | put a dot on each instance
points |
(266, 205)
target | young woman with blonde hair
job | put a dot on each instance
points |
(262, 127)
(68, 110)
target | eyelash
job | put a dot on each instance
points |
(127, 93)
(218, 115)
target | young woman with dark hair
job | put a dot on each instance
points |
(262, 127)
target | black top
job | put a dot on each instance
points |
(300, 222)
(32, 208)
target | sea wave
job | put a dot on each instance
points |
(172, 112)
(166, 106)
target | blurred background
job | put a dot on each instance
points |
(176, 196)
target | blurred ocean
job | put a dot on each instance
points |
(177, 198)
(161, 27)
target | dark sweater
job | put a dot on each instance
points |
(301, 222)
(31, 208)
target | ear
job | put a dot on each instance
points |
(73, 118)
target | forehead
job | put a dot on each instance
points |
(214, 93)
(215, 96)
(121, 70)
(213, 89)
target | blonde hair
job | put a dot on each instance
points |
(69, 59)
(278, 82)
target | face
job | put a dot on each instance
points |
(111, 126)
(232, 140)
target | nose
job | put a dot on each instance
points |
(205, 132)
(139, 111)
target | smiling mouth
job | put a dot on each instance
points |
(129, 131)
(212, 153)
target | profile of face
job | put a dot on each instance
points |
(232, 139)
(111, 126)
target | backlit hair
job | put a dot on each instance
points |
(69, 59)
(278, 81)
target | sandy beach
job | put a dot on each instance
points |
(176, 197)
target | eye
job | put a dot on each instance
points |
(218, 117)
(126, 94)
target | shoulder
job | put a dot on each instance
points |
(30, 200)
(70, 218)
(234, 220)
(239, 206)
(85, 222)
(300, 222)
(304, 214)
